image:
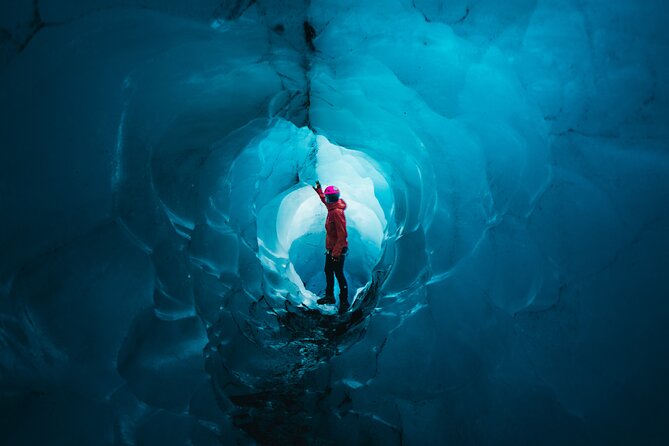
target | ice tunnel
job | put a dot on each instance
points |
(506, 175)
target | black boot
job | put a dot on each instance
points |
(327, 300)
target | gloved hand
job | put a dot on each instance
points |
(318, 185)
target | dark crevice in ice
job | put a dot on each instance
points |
(307, 75)
(464, 17)
(425, 17)
(236, 10)
(35, 25)
(309, 35)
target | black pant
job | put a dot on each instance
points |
(333, 269)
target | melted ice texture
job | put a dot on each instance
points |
(506, 172)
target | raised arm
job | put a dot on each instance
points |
(319, 191)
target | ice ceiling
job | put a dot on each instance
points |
(506, 170)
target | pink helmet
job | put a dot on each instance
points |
(331, 190)
(331, 194)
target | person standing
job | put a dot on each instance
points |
(336, 246)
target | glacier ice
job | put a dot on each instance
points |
(506, 171)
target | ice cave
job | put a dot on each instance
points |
(506, 171)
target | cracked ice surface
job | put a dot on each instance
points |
(506, 171)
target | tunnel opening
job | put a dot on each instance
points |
(291, 233)
(285, 332)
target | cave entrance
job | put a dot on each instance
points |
(297, 242)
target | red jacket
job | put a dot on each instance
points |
(335, 225)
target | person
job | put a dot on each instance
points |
(336, 246)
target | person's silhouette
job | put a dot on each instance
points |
(336, 246)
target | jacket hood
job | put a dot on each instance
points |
(339, 204)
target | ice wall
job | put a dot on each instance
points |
(506, 171)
